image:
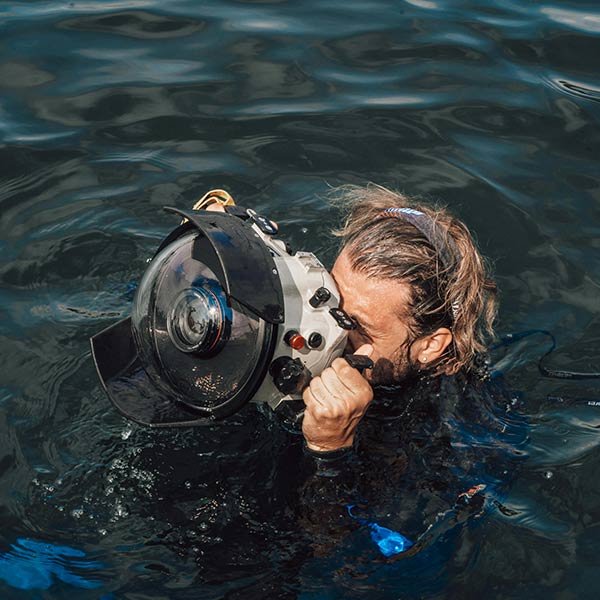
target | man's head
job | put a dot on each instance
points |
(419, 293)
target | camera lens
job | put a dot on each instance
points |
(196, 321)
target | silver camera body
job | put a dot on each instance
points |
(224, 314)
(309, 292)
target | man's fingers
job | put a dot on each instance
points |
(317, 393)
(317, 405)
(308, 398)
(352, 378)
(334, 384)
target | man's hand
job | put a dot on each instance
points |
(335, 403)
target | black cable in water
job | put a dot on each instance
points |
(511, 338)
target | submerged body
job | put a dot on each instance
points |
(425, 458)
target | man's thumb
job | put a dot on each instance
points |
(365, 350)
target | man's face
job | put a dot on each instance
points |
(375, 305)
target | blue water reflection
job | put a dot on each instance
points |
(36, 565)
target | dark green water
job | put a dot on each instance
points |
(109, 110)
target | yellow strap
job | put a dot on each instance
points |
(214, 196)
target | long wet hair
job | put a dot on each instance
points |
(459, 294)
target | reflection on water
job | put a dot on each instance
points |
(111, 110)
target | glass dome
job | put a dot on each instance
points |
(195, 343)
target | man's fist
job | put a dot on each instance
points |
(335, 403)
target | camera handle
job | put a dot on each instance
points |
(294, 420)
(360, 362)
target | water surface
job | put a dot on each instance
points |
(111, 110)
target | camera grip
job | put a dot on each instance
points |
(359, 362)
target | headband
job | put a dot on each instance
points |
(435, 234)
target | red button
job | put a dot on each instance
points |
(296, 341)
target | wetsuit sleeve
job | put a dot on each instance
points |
(330, 458)
(328, 484)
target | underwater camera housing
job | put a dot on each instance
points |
(224, 314)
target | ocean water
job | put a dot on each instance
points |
(110, 110)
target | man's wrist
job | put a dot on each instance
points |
(330, 445)
(327, 454)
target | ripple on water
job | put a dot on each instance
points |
(585, 91)
(139, 24)
(562, 437)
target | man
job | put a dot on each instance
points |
(426, 440)
(416, 286)
(431, 445)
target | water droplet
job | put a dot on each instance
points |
(77, 513)
(126, 433)
(118, 463)
(304, 230)
(188, 485)
(102, 531)
(120, 511)
(548, 474)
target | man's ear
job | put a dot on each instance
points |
(431, 346)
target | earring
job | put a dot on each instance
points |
(423, 359)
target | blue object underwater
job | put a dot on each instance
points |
(388, 541)
(35, 565)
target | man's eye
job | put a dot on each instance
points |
(362, 332)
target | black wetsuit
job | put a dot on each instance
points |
(418, 452)
(253, 507)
